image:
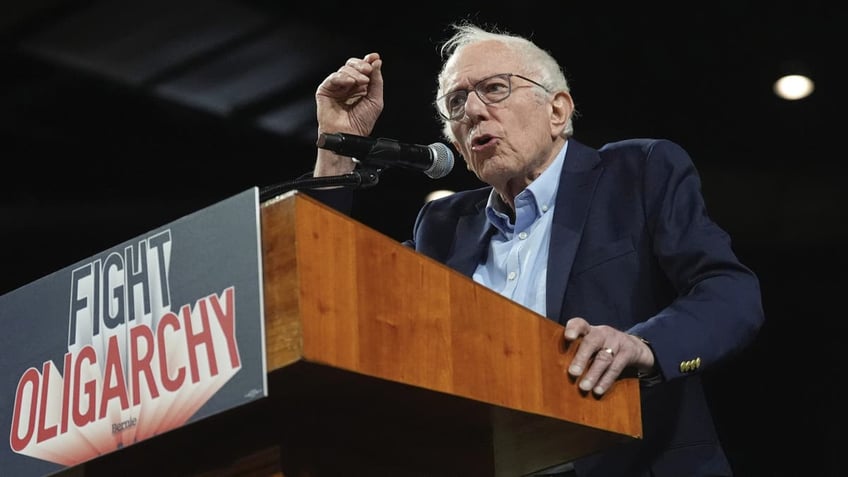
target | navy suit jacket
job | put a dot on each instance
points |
(632, 246)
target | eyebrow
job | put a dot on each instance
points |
(472, 83)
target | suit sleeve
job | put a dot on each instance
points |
(718, 310)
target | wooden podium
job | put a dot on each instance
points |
(383, 362)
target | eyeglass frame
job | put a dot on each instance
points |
(473, 88)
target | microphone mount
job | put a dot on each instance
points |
(363, 177)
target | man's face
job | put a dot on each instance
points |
(505, 142)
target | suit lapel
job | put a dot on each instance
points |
(578, 180)
(471, 240)
(576, 188)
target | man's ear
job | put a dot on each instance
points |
(562, 107)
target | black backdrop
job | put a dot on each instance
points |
(92, 158)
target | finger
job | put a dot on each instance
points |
(354, 73)
(612, 364)
(358, 64)
(371, 57)
(348, 76)
(361, 67)
(358, 77)
(576, 327)
(600, 361)
(583, 357)
(367, 75)
(336, 82)
(376, 88)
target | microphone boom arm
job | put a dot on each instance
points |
(362, 177)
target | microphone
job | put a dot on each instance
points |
(435, 160)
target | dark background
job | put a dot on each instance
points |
(117, 117)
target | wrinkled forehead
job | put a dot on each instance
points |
(474, 62)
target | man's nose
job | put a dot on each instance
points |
(474, 106)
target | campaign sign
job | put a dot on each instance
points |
(148, 336)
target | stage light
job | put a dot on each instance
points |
(793, 87)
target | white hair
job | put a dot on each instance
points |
(537, 61)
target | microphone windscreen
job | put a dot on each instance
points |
(442, 161)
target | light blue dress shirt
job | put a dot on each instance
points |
(516, 265)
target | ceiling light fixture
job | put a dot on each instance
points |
(794, 87)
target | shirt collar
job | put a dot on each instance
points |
(532, 202)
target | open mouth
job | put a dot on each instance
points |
(480, 142)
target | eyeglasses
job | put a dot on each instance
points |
(491, 90)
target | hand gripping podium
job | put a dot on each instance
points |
(383, 362)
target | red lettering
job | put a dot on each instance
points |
(193, 340)
(66, 392)
(82, 418)
(114, 373)
(30, 379)
(226, 318)
(45, 433)
(169, 320)
(141, 364)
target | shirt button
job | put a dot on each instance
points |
(545, 208)
(522, 235)
(511, 276)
